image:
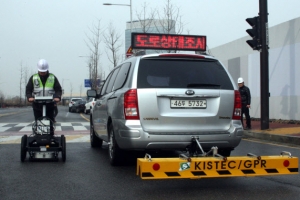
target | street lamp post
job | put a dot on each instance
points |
(63, 90)
(130, 5)
(63, 84)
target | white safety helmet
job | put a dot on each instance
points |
(42, 65)
(240, 80)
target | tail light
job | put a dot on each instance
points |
(131, 105)
(237, 110)
(93, 103)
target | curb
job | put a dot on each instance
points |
(272, 137)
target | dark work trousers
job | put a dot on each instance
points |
(245, 111)
(38, 113)
(55, 111)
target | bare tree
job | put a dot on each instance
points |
(2, 99)
(93, 44)
(170, 19)
(146, 19)
(71, 89)
(21, 82)
(80, 89)
(112, 42)
(25, 80)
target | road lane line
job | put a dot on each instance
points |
(84, 117)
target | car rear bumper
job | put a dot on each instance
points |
(130, 135)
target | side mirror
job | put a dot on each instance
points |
(91, 93)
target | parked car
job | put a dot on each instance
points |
(89, 105)
(72, 101)
(164, 100)
(78, 106)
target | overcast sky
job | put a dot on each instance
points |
(56, 30)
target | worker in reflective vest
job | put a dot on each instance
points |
(43, 84)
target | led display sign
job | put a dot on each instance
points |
(168, 42)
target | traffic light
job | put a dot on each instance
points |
(255, 43)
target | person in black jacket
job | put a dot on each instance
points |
(43, 84)
(246, 101)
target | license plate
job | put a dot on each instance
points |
(188, 103)
(42, 148)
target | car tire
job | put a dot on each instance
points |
(95, 141)
(69, 109)
(63, 148)
(23, 147)
(114, 151)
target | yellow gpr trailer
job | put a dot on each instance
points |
(210, 166)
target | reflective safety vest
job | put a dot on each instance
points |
(43, 90)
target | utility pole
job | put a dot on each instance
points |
(264, 64)
(260, 42)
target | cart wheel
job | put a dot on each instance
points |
(23, 147)
(63, 148)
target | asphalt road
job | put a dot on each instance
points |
(87, 174)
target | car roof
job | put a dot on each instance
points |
(175, 55)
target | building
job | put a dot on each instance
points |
(149, 26)
(284, 69)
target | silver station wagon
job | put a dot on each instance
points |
(161, 101)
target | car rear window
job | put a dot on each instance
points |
(182, 73)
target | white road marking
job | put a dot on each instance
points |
(58, 128)
(79, 128)
(2, 129)
(26, 128)
(69, 139)
(85, 138)
(22, 124)
(65, 124)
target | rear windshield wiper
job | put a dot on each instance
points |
(202, 85)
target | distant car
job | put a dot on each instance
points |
(73, 100)
(78, 106)
(89, 105)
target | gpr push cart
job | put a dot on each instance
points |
(41, 145)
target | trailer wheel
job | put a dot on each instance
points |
(23, 147)
(63, 148)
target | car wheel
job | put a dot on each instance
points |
(63, 148)
(69, 109)
(115, 153)
(95, 141)
(23, 147)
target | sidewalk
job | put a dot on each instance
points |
(278, 131)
